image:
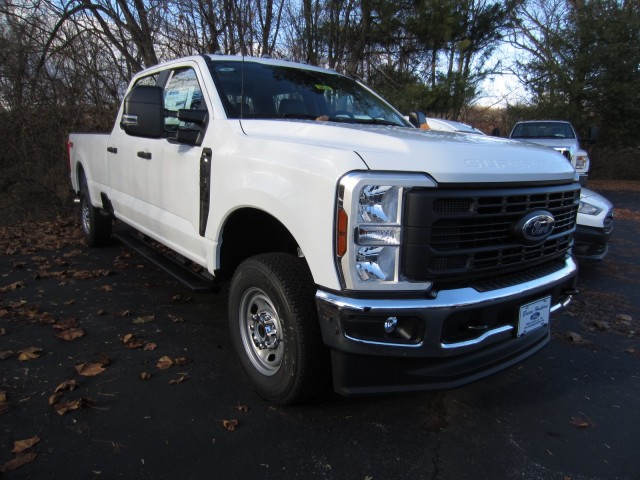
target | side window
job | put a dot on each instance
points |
(181, 92)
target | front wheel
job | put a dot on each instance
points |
(274, 328)
(96, 227)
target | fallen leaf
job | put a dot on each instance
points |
(600, 325)
(106, 288)
(54, 398)
(230, 424)
(71, 334)
(175, 319)
(101, 312)
(122, 314)
(574, 337)
(64, 407)
(131, 341)
(90, 369)
(145, 376)
(66, 323)
(21, 445)
(12, 287)
(181, 378)
(3, 395)
(46, 319)
(180, 299)
(164, 362)
(66, 385)
(242, 408)
(143, 319)
(18, 461)
(579, 422)
(180, 361)
(150, 346)
(624, 318)
(30, 353)
(6, 354)
(70, 302)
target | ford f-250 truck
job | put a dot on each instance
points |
(559, 135)
(395, 258)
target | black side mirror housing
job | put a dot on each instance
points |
(143, 114)
(417, 119)
(188, 135)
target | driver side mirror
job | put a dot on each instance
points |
(143, 114)
(417, 119)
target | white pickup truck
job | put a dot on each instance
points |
(395, 258)
(559, 135)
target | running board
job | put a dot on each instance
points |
(174, 264)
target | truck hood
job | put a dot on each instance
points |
(570, 143)
(446, 157)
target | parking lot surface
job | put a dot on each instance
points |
(113, 370)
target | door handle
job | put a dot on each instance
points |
(145, 155)
(112, 150)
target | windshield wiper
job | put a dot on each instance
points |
(301, 116)
(379, 121)
(366, 121)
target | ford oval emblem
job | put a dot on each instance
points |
(535, 227)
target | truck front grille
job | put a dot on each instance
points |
(472, 234)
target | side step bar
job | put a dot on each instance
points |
(174, 264)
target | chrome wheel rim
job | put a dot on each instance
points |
(86, 215)
(261, 332)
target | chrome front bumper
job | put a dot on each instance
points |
(450, 337)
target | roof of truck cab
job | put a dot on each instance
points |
(234, 58)
(269, 61)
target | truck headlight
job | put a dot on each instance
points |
(377, 234)
(369, 229)
(582, 162)
(588, 209)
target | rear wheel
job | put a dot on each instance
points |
(275, 330)
(96, 227)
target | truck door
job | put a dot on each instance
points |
(163, 190)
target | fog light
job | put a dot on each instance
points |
(390, 324)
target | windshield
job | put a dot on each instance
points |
(542, 130)
(271, 91)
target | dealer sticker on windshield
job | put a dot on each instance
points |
(534, 315)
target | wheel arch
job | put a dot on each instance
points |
(250, 231)
(81, 176)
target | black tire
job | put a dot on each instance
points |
(96, 227)
(275, 330)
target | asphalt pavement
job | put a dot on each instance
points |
(111, 369)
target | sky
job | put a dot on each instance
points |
(502, 88)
